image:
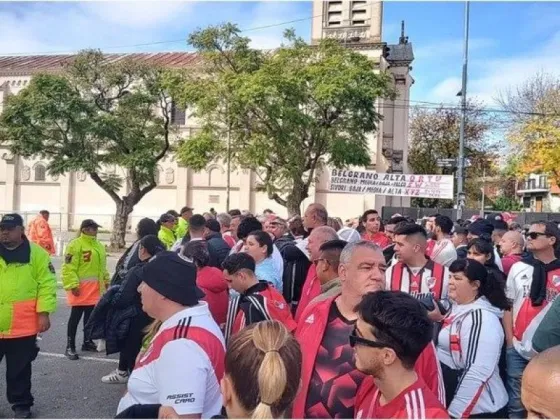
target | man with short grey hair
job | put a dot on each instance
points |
(225, 227)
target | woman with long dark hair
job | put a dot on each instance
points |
(470, 343)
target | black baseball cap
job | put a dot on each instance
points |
(11, 220)
(89, 223)
(173, 277)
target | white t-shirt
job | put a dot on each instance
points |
(182, 367)
(444, 252)
(526, 317)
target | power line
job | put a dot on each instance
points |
(173, 41)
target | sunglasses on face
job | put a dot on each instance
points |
(535, 235)
(356, 339)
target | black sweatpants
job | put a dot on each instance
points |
(133, 343)
(75, 316)
(19, 353)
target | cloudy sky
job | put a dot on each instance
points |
(509, 40)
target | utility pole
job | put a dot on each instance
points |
(461, 163)
(228, 179)
(483, 193)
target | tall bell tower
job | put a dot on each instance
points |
(358, 25)
(349, 21)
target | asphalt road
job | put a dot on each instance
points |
(63, 388)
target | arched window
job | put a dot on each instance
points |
(40, 172)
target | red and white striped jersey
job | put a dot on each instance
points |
(415, 402)
(432, 279)
(526, 317)
(182, 366)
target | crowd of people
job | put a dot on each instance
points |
(234, 316)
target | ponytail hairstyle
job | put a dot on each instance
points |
(491, 287)
(263, 362)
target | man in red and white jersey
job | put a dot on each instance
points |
(392, 332)
(444, 252)
(184, 362)
(257, 301)
(330, 380)
(312, 286)
(415, 273)
(532, 284)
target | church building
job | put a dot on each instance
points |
(26, 187)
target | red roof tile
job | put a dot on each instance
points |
(38, 63)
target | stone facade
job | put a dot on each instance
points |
(25, 186)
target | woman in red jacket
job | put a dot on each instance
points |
(210, 280)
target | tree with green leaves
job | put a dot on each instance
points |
(284, 112)
(434, 135)
(94, 114)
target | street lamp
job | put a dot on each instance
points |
(461, 163)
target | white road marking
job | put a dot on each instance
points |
(62, 356)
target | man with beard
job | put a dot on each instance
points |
(330, 379)
(392, 331)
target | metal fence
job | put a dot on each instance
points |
(65, 226)
(416, 213)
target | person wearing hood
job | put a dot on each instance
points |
(85, 278)
(210, 280)
(327, 269)
(483, 228)
(470, 342)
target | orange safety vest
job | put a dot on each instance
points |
(40, 232)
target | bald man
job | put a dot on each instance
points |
(540, 385)
(312, 286)
(511, 246)
(315, 216)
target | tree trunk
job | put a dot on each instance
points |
(296, 197)
(119, 225)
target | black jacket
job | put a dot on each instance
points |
(286, 239)
(296, 265)
(217, 248)
(109, 323)
(128, 292)
(127, 261)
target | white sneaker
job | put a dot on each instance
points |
(116, 377)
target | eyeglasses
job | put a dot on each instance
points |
(355, 339)
(535, 235)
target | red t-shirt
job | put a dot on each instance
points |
(415, 402)
(378, 238)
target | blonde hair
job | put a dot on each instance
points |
(263, 362)
(151, 330)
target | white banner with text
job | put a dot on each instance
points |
(403, 185)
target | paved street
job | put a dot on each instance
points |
(64, 388)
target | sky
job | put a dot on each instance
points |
(509, 41)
